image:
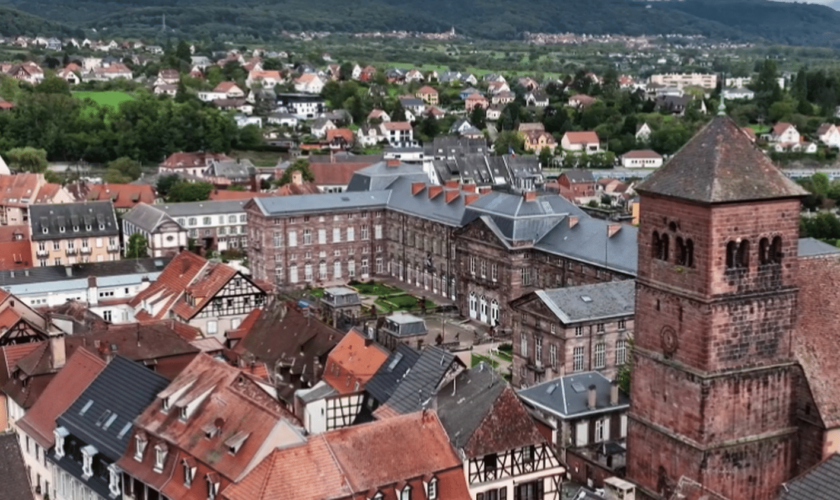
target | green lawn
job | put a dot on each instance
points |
(400, 303)
(105, 98)
(317, 292)
(374, 288)
(475, 359)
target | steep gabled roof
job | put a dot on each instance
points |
(822, 482)
(13, 473)
(172, 283)
(421, 382)
(719, 165)
(390, 374)
(209, 282)
(353, 361)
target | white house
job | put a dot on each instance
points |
(211, 95)
(245, 120)
(309, 83)
(164, 237)
(784, 134)
(643, 132)
(829, 135)
(641, 159)
(734, 94)
(319, 128)
(283, 119)
(586, 141)
(398, 134)
(369, 135)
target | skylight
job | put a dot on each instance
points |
(124, 430)
(393, 364)
(586, 298)
(578, 387)
(86, 407)
(102, 418)
(110, 421)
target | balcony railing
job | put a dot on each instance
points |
(113, 248)
(71, 251)
(86, 250)
(42, 253)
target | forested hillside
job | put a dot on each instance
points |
(788, 23)
(14, 22)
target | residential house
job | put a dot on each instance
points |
(414, 75)
(497, 87)
(367, 74)
(169, 89)
(399, 134)
(339, 138)
(427, 468)
(528, 83)
(70, 74)
(15, 249)
(414, 105)
(168, 77)
(571, 330)
(211, 95)
(210, 296)
(27, 71)
(504, 454)
(537, 98)
(402, 328)
(829, 134)
(682, 80)
(336, 401)
(357, 71)
(164, 236)
(581, 142)
(460, 125)
(13, 473)
(580, 182)
(524, 128)
(22, 324)
(494, 112)
(283, 120)
(428, 94)
(294, 188)
(340, 304)
(309, 83)
(304, 106)
(320, 126)
(468, 92)
(785, 135)
(642, 158)
(503, 98)
(369, 135)
(68, 233)
(37, 429)
(581, 101)
(735, 94)
(475, 100)
(333, 173)
(193, 164)
(673, 105)
(201, 62)
(18, 191)
(643, 132)
(230, 90)
(587, 416)
(379, 116)
(242, 105)
(265, 79)
(94, 432)
(238, 172)
(216, 225)
(107, 73)
(537, 141)
(123, 196)
(204, 431)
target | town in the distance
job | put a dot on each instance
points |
(271, 273)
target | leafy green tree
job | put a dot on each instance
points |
(478, 117)
(250, 137)
(189, 191)
(299, 165)
(508, 140)
(165, 183)
(53, 85)
(27, 159)
(137, 245)
(345, 71)
(545, 157)
(183, 51)
(126, 168)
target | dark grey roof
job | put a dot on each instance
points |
(320, 391)
(412, 102)
(588, 241)
(345, 157)
(147, 217)
(391, 373)
(820, 483)
(471, 131)
(577, 175)
(567, 397)
(280, 205)
(810, 247)
(380, 176)
(199, 208)
(591, 302)
(73, 220)
(13, 476)
(720, 164)
(421, 381)
(450, 146)
(512, 218)
(124, 388)
(320, 122)
(403, 324)
(77, 271)
(231, 169)
(463, 403)
(437, 209)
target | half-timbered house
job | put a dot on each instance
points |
(20, 323)
(504, 454)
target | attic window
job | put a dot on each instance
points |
(165, 404)
(60, 229)
(87, 227)
(102, 227)
(45, 230)
(433, 489)
(235, 442)
(76, 228)
(183, 414)
(139, 447)
(161, 451)
(405, 494)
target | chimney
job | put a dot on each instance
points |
(530, 195)
(392, 163)
(573, 220)
(470, 198)
(434, 191)
(614, 393)
(452, 184)
(416, 187)
(219, 424)
(297, 178)
(592, 395)
(484, 190)
(451, 195)
(470, 188)
(368, 341)
(57, 350)
(612, 228)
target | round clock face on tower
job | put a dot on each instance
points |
(669, 340)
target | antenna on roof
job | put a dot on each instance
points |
(722, 105)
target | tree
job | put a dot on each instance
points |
(189, 191)
(250, 137)
(507, 141)
(27, 159)
(53, 85)
(124, 168)
(545, 157)
(183, 51)
(298, 165)
(345, 71)
(478, 117)
(137, 245)
(165, 183)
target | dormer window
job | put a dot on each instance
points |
(183, 414)
(235, 442)
(45, 230)
(60, 433)
(76, 228)
(114, 480)
(139, 447)
(88, 452)
(189, 472)
(88, 227)
(161, 450)
(212, 486)
(165, 404)
(405, 494)
(433, 489)
(102, 227)
(61, 229)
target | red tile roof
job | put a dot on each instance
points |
(226, 194)
(192, 160)
(586, 137)
(780, 128)
(125, 196)
(17, 187)
(47, 193)
(61, 392)
(15, 255)
(225, 87)
(203, 288)
(293, 189)
(397, 125)
(356, 461)
(335, 174)
(171, 284)
(10, 355)
(353, 362)
(245, 326)
(343, 133)
(642, 154)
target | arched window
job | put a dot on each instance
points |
(731, 255)
(663, 247)
(764, 251)
(681, 253)
(776, 253)
(689, 253)
(744, 255)
(655, 244)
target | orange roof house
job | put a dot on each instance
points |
(353, 362)
(124, 196)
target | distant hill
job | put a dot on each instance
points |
(788, 23)
(14, 22)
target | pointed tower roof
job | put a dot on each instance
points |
(718, 165)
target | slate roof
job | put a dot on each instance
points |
(37, 276)
(481, 414)
(64, 388)
(199, 208)
(591, 302)
(281, 205)
(111, 396)
(421, 382)
(588, 241)
(72, 220)
(13, 474)
(380, 176)
(231, 169)
(390, 374)
(822, 482)
(718, 165)
(579, 175)
(147, 217)
(567, 397)
(811, 247)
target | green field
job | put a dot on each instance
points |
(105, 98)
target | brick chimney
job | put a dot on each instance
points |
(392, 163)
(613, 228)
(470, 198)
(452, 184)
(57, 350)
(416, 187)
(573, 220)
(614, 393)
(591, 399)
(530, 195)
(434, 191)
(469, 188)
(484, 190)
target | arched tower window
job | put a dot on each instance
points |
(656, 242)
(764, 251)
(776, 253)
(663, 247)
(731, 255)
(689, 253)
(680, 251)
(744, 255)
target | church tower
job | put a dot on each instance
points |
(716, 302)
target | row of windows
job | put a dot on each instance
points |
(599, 361)
(579, 330)
(322, 218)
(323, 270)
(336, 253)
(661, 247)
(71, 244)
(72, 260)
(482, 268)
(350, 235)
(208, 221)
(738, 254)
